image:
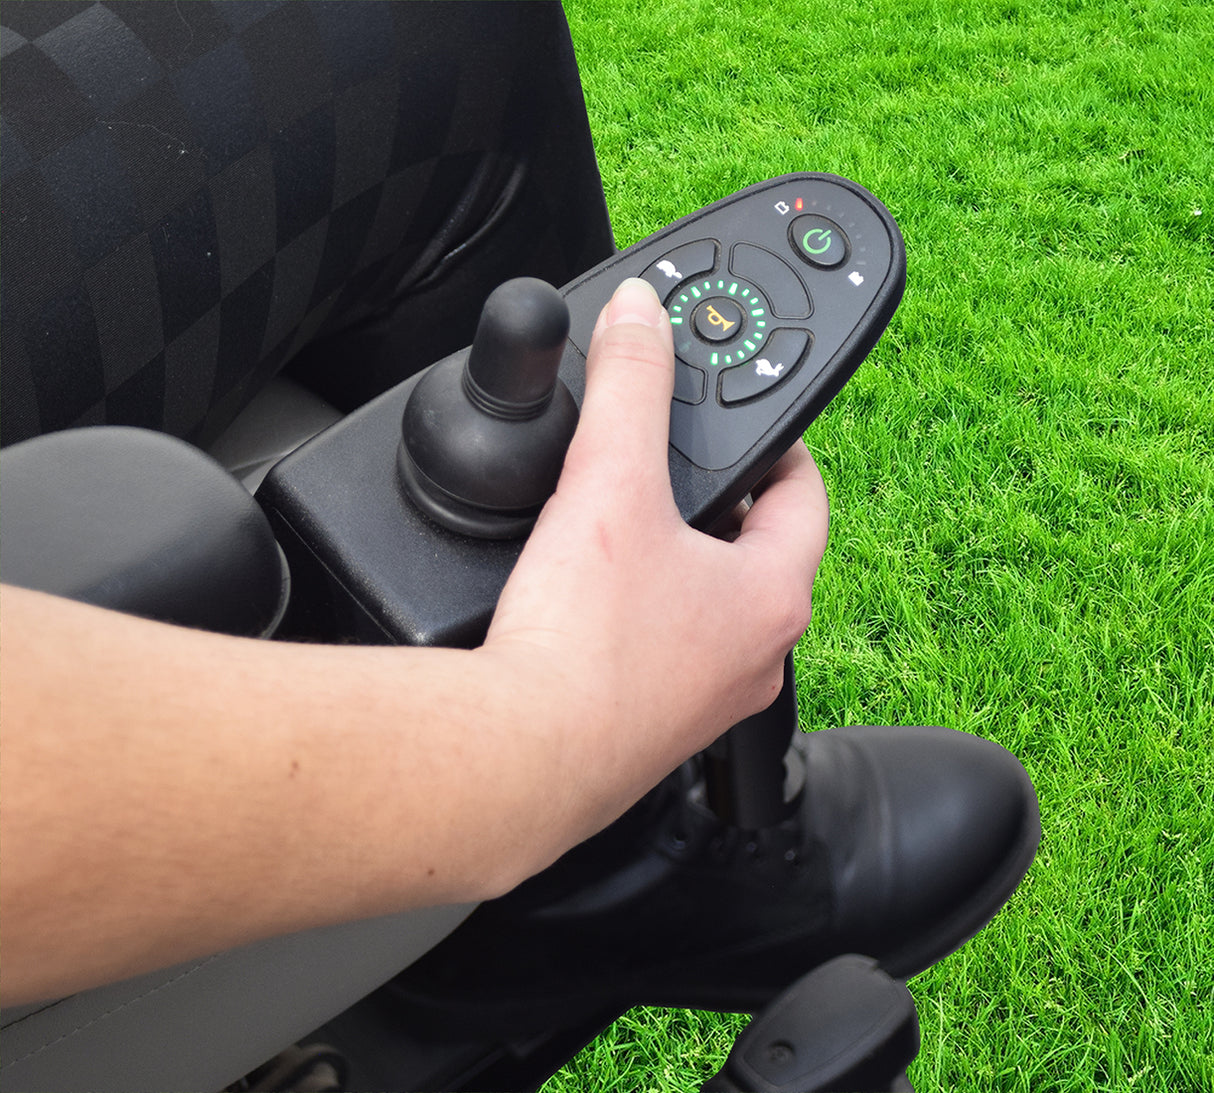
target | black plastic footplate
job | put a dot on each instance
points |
(844, 1026)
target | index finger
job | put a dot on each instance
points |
(629, 382)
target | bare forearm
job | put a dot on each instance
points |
(168, 793)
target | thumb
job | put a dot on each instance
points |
(629, 384)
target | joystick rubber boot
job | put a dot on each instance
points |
(484, 433)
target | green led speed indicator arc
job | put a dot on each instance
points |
(712, 298)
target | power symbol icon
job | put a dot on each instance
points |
(817, 241)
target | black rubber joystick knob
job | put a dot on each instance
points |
(517, 349)
(484, 433)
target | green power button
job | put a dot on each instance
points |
(816, 240)
(820, 241)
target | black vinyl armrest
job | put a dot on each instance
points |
(139, 522)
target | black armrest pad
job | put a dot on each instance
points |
(139, 522)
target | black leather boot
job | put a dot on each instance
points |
(927, 831)
(902, 843)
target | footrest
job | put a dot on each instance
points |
(844, 1026)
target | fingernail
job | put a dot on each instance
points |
(635, 302)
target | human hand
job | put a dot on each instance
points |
(648, 637)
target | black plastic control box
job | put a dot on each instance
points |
(776, 294)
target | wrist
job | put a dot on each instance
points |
(534, 725)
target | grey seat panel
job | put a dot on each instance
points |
(277, 421)
(202, 1025)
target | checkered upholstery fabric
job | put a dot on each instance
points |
(191, 194)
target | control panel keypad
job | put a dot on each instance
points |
(775, 295)
(719, 321)
(725, 327)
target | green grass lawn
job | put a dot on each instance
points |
(1021, 475)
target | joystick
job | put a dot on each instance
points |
(484, 432)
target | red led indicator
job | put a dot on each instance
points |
(798, 204)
